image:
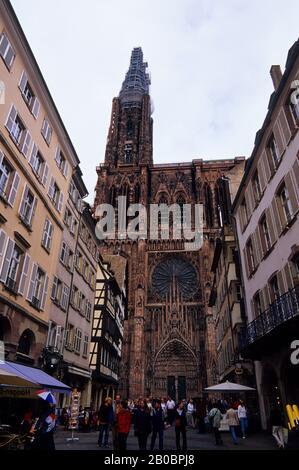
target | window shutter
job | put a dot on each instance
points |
(265, 166)
(249, 199)
(51, 188)
(23, 81)
(258, 245)
(1, 157)
(261, 175)
(3, 239)
(32, 282)
(256, 251)
(57, 155)
(45, 174)
(278, 138)
(45, 291)
(266, 296)
(280, 283)
(276, 216)
(14, 189)
(288, 276)
(270, 226)
(296, 175)
(3, 44)
(24, 274)
(22, 203)
(35, 107)
(65, 296)
(33, 155)
(33, 209)
(11, 119)
(49, 134)
(57, 336)
(7, 259)
(60, 202)
(286, 132)
(51, 229)
(26, 143)
(66, 168)
(292, 193)
(246, 262)
(54, 288)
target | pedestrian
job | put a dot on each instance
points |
(233, 422)
(158, 425)
(170, 406)
(44, 429)
(180, 426)
(116, 407)
(25, 428)
(201, 412)
(190, 413)
(242, 415)
(105, 417)
(123, 422)
(215, 418)
(142, 424)
(276, 421)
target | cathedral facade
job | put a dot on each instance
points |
(169, 336)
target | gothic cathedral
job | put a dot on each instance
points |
(169, 336)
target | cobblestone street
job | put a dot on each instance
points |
(195, 441)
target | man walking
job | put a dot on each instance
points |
(170, 405)
(158, 425)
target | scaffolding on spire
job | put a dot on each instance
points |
(137, 81)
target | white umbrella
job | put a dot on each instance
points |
(47, 396)
(228, 387)
(9, 379)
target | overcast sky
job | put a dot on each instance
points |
(209, 62)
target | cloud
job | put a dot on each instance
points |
(209, 63)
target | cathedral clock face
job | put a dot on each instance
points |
(178, 271)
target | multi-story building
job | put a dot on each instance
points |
(48, 248)
(110, 311)
(169, 335)
(267, 223)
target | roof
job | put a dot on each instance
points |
(118, 265)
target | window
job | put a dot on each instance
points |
(56, 195)
(6, 51)
(67, 217)
(88, 310)
(273, 152)
(69, 337)
(81, 303)
(27, 207)
(295, 109)
(274, 289)
(56, 291)
(74, 297)
(244, 213)
(46, 131)
(85, 346)
(61, 162)
(285, 202)
(250, 256)
(265, 235)
(38, 287)
(257, 304)
(5, 176)
(13, 269)
(47, 235)
(18, 132)
(28, 95)
(78, 339)
(66, 256)
(74, 193)
(256, 187)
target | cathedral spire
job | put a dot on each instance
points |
(137, 81)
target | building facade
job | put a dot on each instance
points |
(266, 211)
(169, 337)
(48, 248)
(110, 311)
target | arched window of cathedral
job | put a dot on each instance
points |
(162, 218)
(181, 202)
(208, 205)
(130, 127)
(128, 153)
(137, 193)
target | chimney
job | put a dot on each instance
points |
(276, 75)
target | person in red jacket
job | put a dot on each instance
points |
(124, 419)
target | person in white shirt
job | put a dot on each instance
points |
(190, 413)
(242, 415)
(170, 406)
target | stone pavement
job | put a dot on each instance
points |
(88, 441)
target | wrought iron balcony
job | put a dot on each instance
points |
(284, 308)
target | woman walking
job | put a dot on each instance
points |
(215, 418)
(190, 413)
(180, 421)
(233, 422)
(242, 415)
(123, 422)
(142, 424)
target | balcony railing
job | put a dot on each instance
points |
(280, 311)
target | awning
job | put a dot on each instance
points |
(78, 371)
(37, 376)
